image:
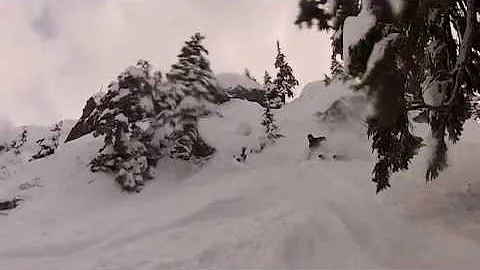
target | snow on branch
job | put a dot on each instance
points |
(467, 42)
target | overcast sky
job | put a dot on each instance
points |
(55, 54)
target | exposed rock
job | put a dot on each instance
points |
(241, 87)
(201, 149)
(253, 95)
(84, 126)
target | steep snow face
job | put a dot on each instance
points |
(232, 80)
(276, 210)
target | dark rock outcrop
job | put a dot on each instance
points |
(84, 126)
(253, 94)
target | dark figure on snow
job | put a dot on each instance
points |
(314, 144)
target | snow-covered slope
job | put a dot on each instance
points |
(277, 210)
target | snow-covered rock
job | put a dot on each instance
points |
(232, 80)
(240, 87)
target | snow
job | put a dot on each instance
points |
(277, 210)
(135, 72)
(147, 104)
(378, 52)
(121, 118)
(355, 28)
(435, 91)
(397, 7)
(232, 80)
(189, 102)
(121, 94)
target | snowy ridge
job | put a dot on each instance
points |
(277, 210)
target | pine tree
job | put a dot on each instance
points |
(268, 121)
(285, 80)
(18, 144)
(196, 92)
(119, 116)
(337, 70)
(193, 71)
(272, 98)
(424, 55)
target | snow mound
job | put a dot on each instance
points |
(239, 126)
(232, 80)
(347, 109)
(240, 87)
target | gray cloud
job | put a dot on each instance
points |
(56, 53)
(43, 23)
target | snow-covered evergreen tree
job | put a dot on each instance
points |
(409, 55)
(285, 81)
(15, 145)
(195, 91)
(144, 118)
(123, 116)
(337, 70)
(49, 144)
(273, 98)
(18, 144)
(268, 121)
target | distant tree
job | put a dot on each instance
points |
(423, 55)
(18, 144)
(326, 79)
(285, 81)
(49, 144)
(273, 98)
(268, 122)
(15, 145)
(337, 70)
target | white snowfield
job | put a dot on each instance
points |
(278, 210)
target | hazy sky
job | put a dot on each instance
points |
(55, 54)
